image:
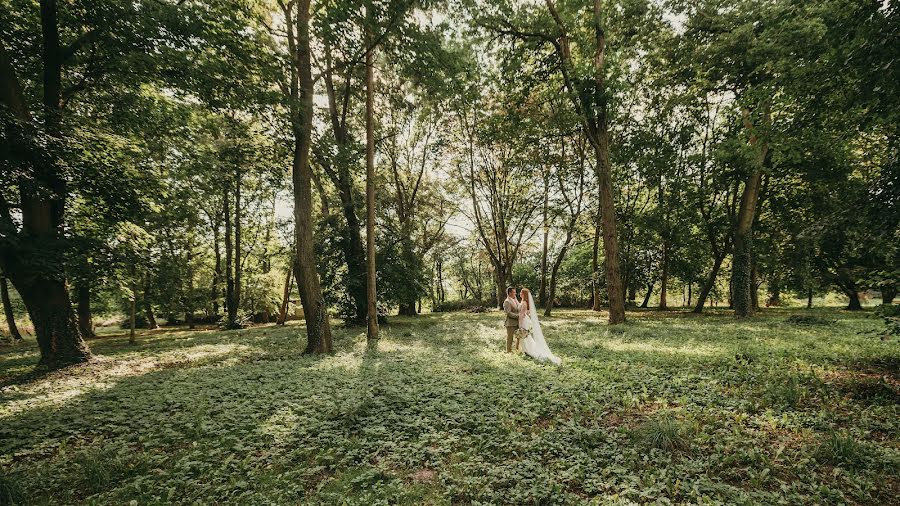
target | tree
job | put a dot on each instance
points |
(298, 90)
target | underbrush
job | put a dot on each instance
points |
(668, 407)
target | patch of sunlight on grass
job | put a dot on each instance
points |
(283, 422)
(348, 361)
(645, 347)
(103, 373)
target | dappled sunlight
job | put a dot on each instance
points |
(692, 349)
(104, 372)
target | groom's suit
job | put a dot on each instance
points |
(511, 308)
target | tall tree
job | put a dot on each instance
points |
(299, 97)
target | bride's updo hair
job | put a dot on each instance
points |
(525, 297)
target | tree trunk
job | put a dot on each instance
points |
(664, 278)
(8, 310)
(647, 296)
(887, 294)
(85, 318)
(230, 306)
(238, 269)
(318, 326)
(551, 301)
(217, 270)
(809, 298)
(595, 269)
(774, 291)
(854, 304)
(542, 293)
(148, 313)
(285, 299)
(371, 292)
(741, 275)
(710, 283)
(42, 200)
(131, 336)
(690, 288)
(754, 285)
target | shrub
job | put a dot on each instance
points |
(665, 433)
(460, 305)
(841, 448)
(10, 491)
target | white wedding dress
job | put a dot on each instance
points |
(534, 343)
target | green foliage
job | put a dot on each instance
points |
(461, 305)
(840, 448)
(657, 410)
(665, 433)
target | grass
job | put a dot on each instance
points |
(670, 406)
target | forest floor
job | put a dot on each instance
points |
(670, 405)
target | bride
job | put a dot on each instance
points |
(534, 342)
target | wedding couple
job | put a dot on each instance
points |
(522, 325)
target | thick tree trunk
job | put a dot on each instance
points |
(85, 318)
(709, 283)
(742, 259)
(595, 269)
(887, 294)
(854, 304)
(774, 292)
(754, 284)
(614, 288)
(8, 310)
(318, 326)
(647, 296)
(42, 206)
(371, 291)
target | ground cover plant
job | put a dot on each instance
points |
(671, 406)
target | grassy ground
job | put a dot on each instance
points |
(670, 406)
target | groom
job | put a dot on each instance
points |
(511, 308)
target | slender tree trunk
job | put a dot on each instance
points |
(371, 292)
(8, 310)
(230, 306)
(595, 268)
(647, 296)
(131, 336)
(217, 271)
(664, 278)
(809, 298)
(318, 326)
(439, 266)
(85, 318)
(707, 287)
(542, 293)
(238, 269)
(285, 299)
(554, 276)
(690, 287)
